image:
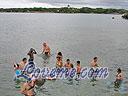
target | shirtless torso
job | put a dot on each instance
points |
(27, 89)
(46, 49)
(94, 64)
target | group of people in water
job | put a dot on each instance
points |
(27, 88)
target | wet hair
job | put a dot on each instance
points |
(95, 58)
(59, 53)
(119, 70)
(68, 60)
(78, 62)
(31, 49)
(16, 65)
(24, 59)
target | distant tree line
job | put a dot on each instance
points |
(67, 10)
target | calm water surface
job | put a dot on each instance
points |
(78, 36)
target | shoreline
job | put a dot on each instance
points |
(57, 13)
(65, 10)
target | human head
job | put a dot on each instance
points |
(118, 70)
(24, 60)
(78, 62)
(59, 53)
(95, 59)
(16, 66)
(44, 44)
(31, 50)
(58, 58)
(68, 61)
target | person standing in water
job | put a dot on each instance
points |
(31, 54)
(94, 65)
(17, 70)
(69, 67)
(46, 49)
(59, 62)
(119, 78)
(27, 88)
(68, 64)
(94, 62)
(23, 63)
(78, 69)
(60, 56)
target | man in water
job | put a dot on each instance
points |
(27, 88)
(68, 64)
(59, 55)
(23, 63)
(94, 65)
(94, 62)
(119, 78)
(17, 72)
(31, 54)
(78, 68)
(46, 49)
(68, 67)
(59, 62)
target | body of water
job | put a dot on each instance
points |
(77, 36)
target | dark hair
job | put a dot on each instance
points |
(16, 65)
(31, 50)
(78, 62)
(68, 59)
(95, 58)
(59, 53)
(119, 70)
(24, 59)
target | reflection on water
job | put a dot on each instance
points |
(78, 36)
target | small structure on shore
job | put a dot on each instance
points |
(68, 6)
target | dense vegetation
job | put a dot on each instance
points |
(67, 10)
(125, 16)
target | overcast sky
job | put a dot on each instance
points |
(62, 3)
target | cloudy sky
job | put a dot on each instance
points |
(62, 3)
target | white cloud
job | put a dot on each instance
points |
(22, 4)
(62, 3)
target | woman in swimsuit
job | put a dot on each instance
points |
(119, 78)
